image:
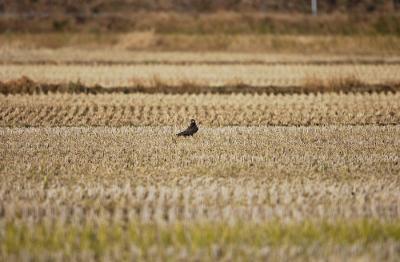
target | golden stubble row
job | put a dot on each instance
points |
(78, 55)
(208, 75)
(208, 109)
(111, 175)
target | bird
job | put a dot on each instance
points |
(191, 130)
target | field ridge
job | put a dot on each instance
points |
(25, 85)
(202, 62)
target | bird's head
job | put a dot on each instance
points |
(192, 121)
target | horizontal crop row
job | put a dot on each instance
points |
(231, 203)
(209, 110)
(118, 56)
(208, 75)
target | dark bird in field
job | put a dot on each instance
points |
(190, 130)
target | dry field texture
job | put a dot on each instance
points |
(68, 55)
(148, 40)
(206, 75)
(228, 193)
(211, 110)
(297, 157)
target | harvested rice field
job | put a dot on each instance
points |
(296, 158)
(207, 75)
(211, 110)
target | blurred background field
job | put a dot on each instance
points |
(202, 16)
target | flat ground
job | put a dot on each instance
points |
(297, 157)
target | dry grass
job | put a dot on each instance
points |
(205, 75)
(148, 41)
(251, 193)
(210, 110)
(97, 24)
(231, 174)
(102, 176)
(234, 193)
(155, 85)
(98, 56)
